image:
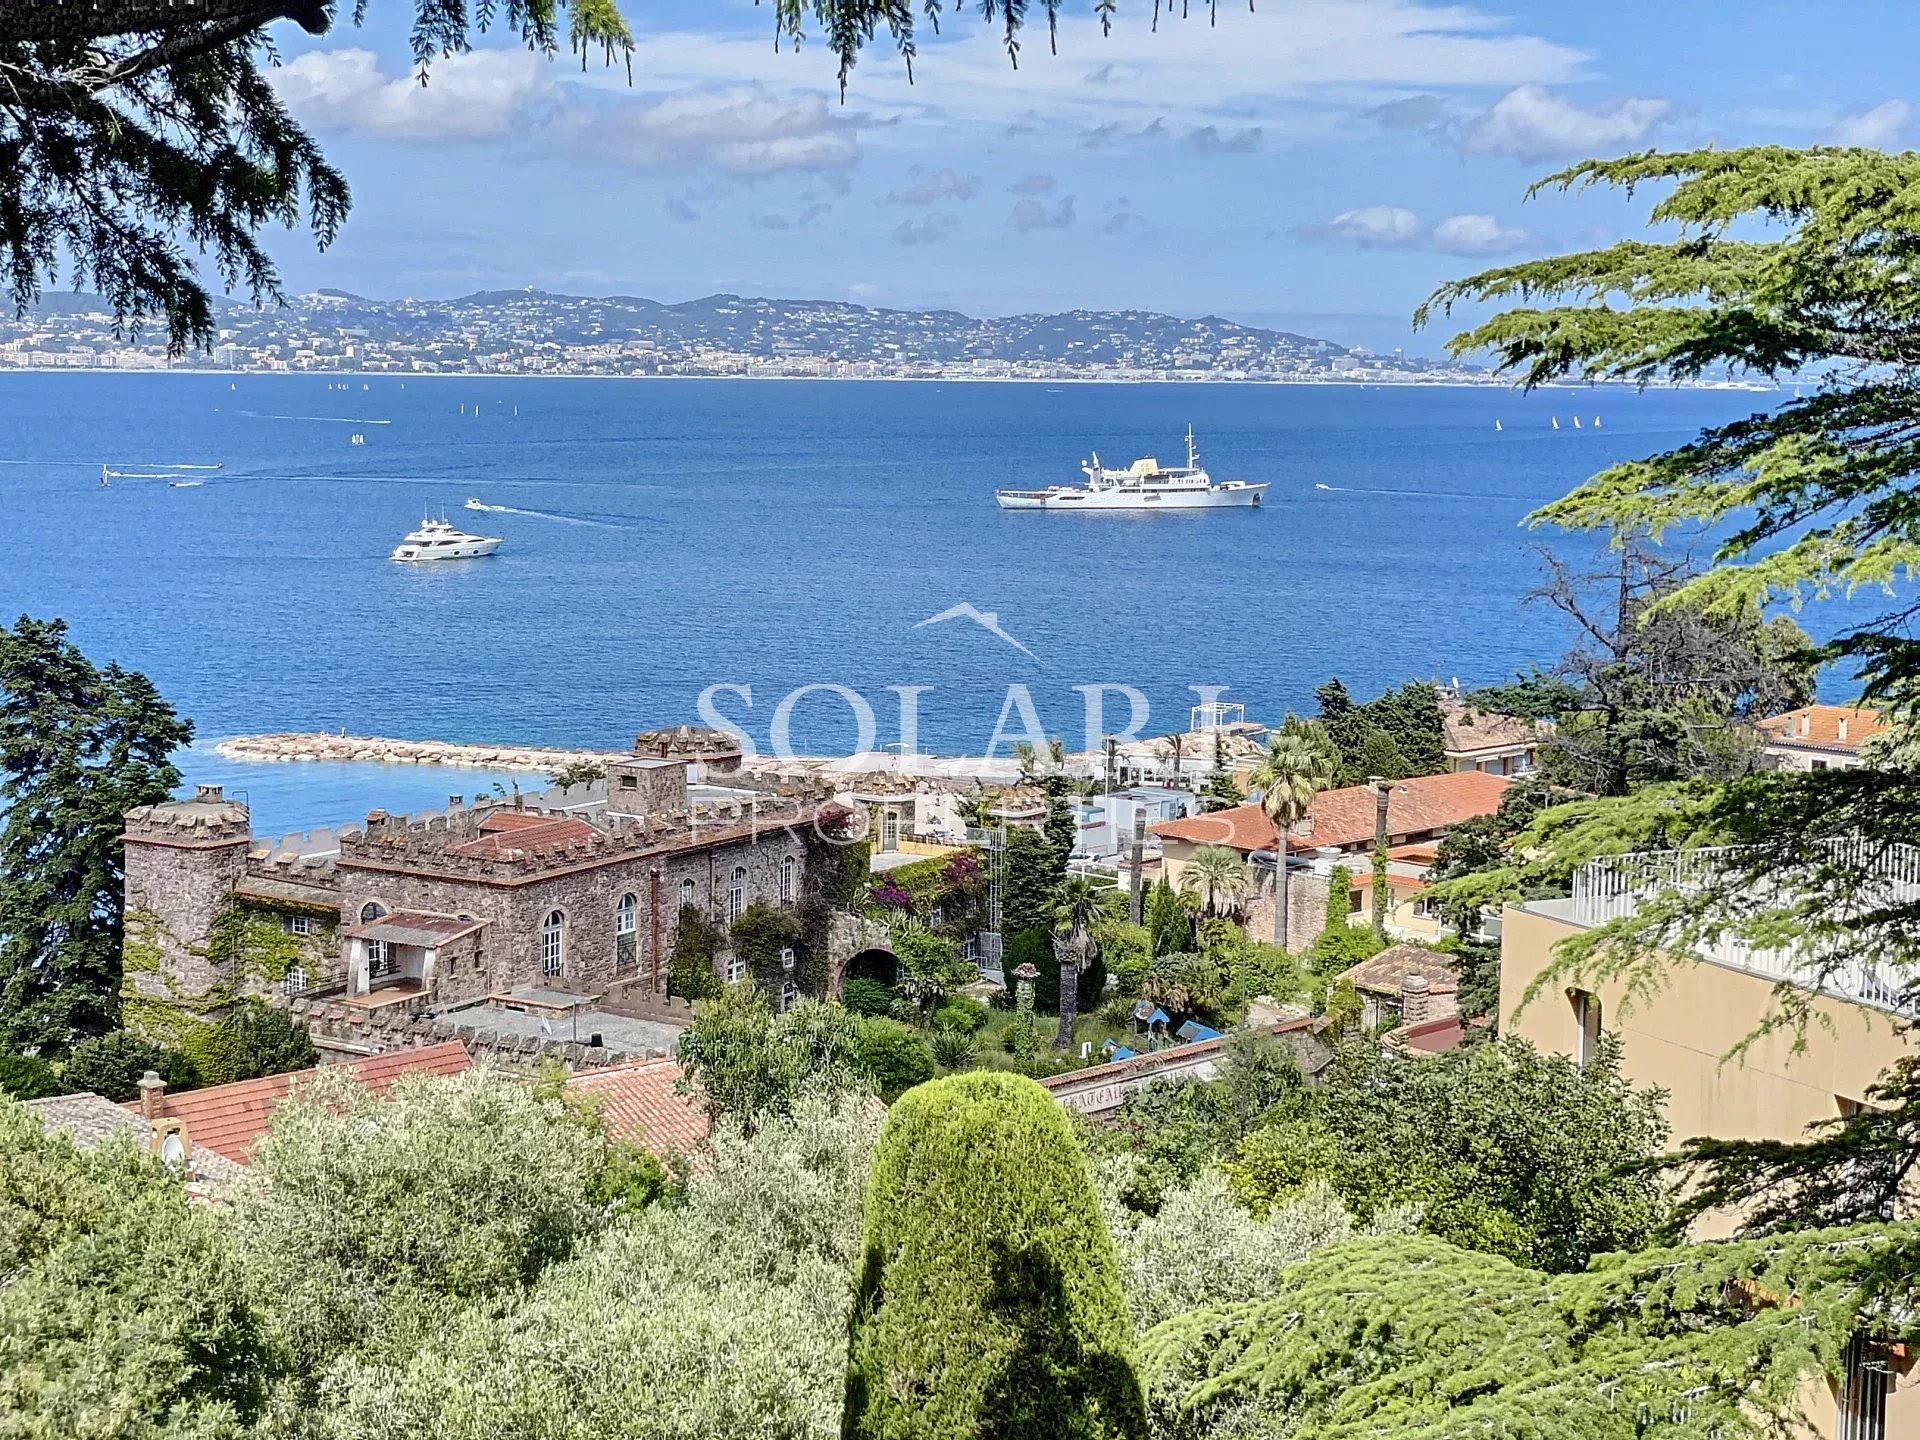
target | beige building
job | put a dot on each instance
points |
(1818, 737)
(1683, 1040)
(1491, 743)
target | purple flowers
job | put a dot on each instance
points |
(892, 896)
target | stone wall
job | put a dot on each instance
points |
(343, 1032)
(1306, 909)
(587, 899)
(174, 893)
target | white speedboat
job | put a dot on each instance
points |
(437, 540)
(1144, 485)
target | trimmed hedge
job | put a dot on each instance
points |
(988, 1301)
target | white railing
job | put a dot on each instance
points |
(1617, 887)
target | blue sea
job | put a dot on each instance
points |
(668, 536)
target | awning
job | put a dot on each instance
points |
(413, 927)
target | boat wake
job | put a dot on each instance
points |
(321, 419)
(558, 515)
(1409, 494)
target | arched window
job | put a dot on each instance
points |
(737, 893)
(371, 911)
(626, 932)
(686, 893)
(787, 870)
(553, 945)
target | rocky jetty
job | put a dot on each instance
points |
(384, 751)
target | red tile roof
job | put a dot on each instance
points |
(230, 1119)
(1469, 731)
(511, 830)
(639, 1102)
(1818, 727)
(1345, 817)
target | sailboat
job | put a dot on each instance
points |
(1556, 421)
(1596, 422)
(1576, 422)
(1496, 424)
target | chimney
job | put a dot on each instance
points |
(1806, 724)
(1843, 730)
(153, 1096)
(1415, 999)
(209, 794)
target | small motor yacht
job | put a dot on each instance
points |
(438, 540)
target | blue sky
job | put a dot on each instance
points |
(1319, 164)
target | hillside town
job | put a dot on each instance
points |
(532, 332)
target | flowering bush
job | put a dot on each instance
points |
(891, 896)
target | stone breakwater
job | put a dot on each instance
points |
(381, 750)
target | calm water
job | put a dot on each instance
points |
(669, 535)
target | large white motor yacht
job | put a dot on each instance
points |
(1144, 485)
(438, 540)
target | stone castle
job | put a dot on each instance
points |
(575, 890)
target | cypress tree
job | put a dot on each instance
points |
(988, 1300)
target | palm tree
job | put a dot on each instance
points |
(1216, 877)
(1288, 776)
(1079, 906)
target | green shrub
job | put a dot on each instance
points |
(954, 1049)
(962, 1014)
(988, 1300)
(266, 1041)
(892, 1056)
(867, 997)
(27, 1077)
(112, 1064)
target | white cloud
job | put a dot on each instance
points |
(1477, 235)
(1032, 185)
(1371, 225)
(1531, 123)
(928, 229)
(1877, 129)
(514, 95)
(1033, 215)
(942, 184)
(486, 95)
(1212, 140)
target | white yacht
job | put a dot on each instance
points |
(1144, 485)
(437, 540)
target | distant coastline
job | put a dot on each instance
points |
(1410, 382)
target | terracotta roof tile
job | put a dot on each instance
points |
(1820, 727)
(512, 830)
(1384, 973)
(1345, 817)
(230, 1119)
(639, 1102)
(1468, 731)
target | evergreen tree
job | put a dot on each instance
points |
(1779, 263)
(80, 746)
(1030, 879)
(988, 1302)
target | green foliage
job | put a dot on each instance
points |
(27, 1077)
(1216, 878)
(1415, 1336)
(266, 1041)
(1397, 734)
(696, 944)
(1221, 793)
(1030, 879)
(123, 1311)
(1169, 923)
(760, 933)
(866, 997)
(437, 1193)
(1126, 950)
(80, 745)
(987, 1300)
(960, 1013)
(577, 772)
(931, 966)
(747, 1062)
(722, 1315)
(891, 1055)
(955, 1048)
(1525, 1155)
(1343, 1007)
(1186, 985)
(112, 1064)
